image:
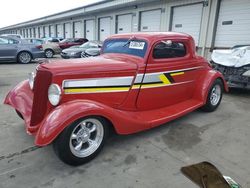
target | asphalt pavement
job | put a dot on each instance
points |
(150, 159)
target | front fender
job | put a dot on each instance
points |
(205, 83)
(64, 115)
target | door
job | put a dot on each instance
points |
(124, 23)
(41, 32)
(104, 28)
(233, 23)
(150, 20)
(46, 31)
(187, 19)
(67, 30)
(78, 29)
(59, 30)
(52, 30)
(89, 29)
(8, 48)
(170, 75)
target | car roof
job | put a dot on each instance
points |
(152, 35)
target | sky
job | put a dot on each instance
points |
(16, 11)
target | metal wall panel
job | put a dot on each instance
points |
(90, 29)
(150, 20)
(187, 19)
(124, 23)
(104, 28)
(78, 29)
(233, 23)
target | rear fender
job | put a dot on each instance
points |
(65, 114)
(205, 83)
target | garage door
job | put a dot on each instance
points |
(233, 24)
(89, 29)
(68, 30)
(37, 32)
(46, 31)
(104, 28)
(59, 30)
(187, 19)
(150, 20)
(78, 29)
(41, 32)
(52, 30)
(124, 23)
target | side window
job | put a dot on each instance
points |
(169, 49)
(12, 41)
(3, 41)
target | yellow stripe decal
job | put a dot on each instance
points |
(164, 79)
(177, 73)
(89, 90)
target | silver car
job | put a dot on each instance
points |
(18, 50)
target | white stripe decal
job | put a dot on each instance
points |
(99, 82)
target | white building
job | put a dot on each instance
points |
(212, 23)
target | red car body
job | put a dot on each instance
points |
(183, 86)
(66, 43)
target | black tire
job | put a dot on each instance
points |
(49, 53)
(63, 145)
(211, 105)
(24, 57)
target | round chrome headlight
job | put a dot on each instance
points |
(31, 79)
(54, 94)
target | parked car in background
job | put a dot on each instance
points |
(66, 43)
(18, 50)
(51, 49)
(76, 51)
(13, 35)
(35, 41)
(52, 39)
(234, 64)
(140, 81)
(91, 52)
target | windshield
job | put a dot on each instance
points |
(133, 46)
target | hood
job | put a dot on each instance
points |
(106, 63)
(236, 57)
(76, 50)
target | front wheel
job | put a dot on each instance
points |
(214, 96)
(49, 53)
(24, 57)
(81, 141)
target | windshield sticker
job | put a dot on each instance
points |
(136, 45)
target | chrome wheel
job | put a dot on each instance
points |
(49, 53)
(24, 57)
(86, 137)
(215, 95)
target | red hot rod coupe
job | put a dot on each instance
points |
(140, 81)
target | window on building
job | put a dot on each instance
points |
(169, 49)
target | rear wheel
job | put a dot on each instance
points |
(81, 141)
(24, 57)
(214, 96)
(49, 53)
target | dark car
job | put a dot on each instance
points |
(66, 43)
(18, 50)
(76, 51)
